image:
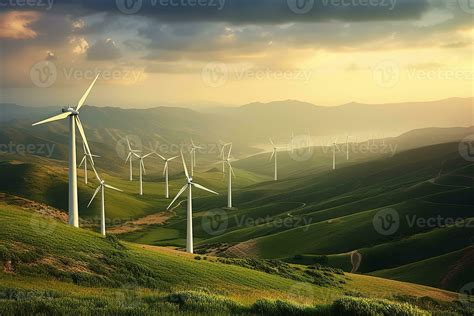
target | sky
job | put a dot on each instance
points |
(199, 53)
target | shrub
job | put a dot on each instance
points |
(371, 307)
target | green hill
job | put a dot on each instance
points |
(49, 267)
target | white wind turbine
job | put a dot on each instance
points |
(166, 172)
(188, 186)
(84, 161)
(231, 173)
(334, 147)
(347, 147)
(131, 152)
(101, 187)
(142, 168)
(73, 115)
(193, 156)
(274, 155)
(222, 154)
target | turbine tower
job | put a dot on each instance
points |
(74, 120)
(193, 156)
(231, 173)
(101, 187)
(188, 186)
(166, 172)
(274, 155)
(347, 147)
(130, 156)
(84, 161)
(142, 168)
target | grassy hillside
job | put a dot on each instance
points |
(51, 267)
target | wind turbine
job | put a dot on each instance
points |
(166, 172)
(74, 120)
(188, 186)
(334, 147)
(142, 168)
(231, 173)
(129, 157)
(84, 161)
(101, 187)
(193, 156)
(222, 154)
(274, 154)
(347, 147)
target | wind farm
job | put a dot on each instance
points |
(274, 158)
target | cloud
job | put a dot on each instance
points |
(17, 25)
(103, 50)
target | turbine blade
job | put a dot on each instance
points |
(177, 196)
(271, 142)
(232, 170)
(166, 167)
(273, 154)
(128, 157)
(83, 135)
(53, 118)
(230, 151)
(96, 174)
(86, 94)
(93, 197)
(82, 161)
(111, 187)
(143, 166)
(128, 144)
(184, 166)
(148, 155)
(160, 156)
(204, 188)
(173, 158)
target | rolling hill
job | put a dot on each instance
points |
(49, 267)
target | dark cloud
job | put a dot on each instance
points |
(103, 50)
(253, 11)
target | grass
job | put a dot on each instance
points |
(52, 268)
